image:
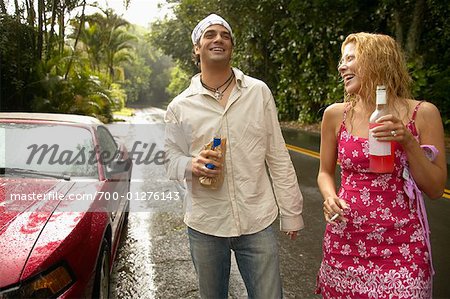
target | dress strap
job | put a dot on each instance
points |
(413, 117)
(412, 123)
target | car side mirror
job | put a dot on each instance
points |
(118, 166)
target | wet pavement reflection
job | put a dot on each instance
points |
(153, 260)
(133, 275)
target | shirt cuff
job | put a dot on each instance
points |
(291, 224)
(184, 168)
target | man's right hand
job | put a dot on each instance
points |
(205, 157)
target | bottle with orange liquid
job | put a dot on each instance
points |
(381, 153)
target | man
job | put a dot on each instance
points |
(222, 101)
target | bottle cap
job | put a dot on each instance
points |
(216, 142)
(381, 95)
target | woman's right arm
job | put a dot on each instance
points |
(331, 122)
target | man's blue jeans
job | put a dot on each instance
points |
(256, 256)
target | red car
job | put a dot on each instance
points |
(64, 188)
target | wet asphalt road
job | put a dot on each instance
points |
(153, 260)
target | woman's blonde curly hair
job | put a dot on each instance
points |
(380, 62)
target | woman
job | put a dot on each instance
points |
(376, 241)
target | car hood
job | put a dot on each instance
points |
(23, 215)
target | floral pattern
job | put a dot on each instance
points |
(379, 252)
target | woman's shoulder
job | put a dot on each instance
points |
(427, 107)
(424, 109)
(336, 110)
(426, 116)
(333, 116)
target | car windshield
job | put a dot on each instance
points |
(49, 149)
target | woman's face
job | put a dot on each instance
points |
(348, 69)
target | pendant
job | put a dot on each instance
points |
(218, 95)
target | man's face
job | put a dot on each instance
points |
(215, 45)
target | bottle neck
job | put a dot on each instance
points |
(381, 106)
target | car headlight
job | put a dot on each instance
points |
(48, 284)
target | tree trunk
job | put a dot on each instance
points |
(3, 7)
(52, 28)
(16, 6)
(61, 26)
(40, 37)
(44, 23)
(76, 40)
(416, 28)
(398, 27)
(31, 13)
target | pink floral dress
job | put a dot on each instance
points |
(381, 251)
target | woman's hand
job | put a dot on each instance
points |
(392, 129)
(333, 209)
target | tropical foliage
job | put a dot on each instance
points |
(294, 45)
(55, 57)
(85, 64)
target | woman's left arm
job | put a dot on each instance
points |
(430, 176)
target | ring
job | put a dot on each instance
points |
(393, 133)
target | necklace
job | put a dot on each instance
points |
(218, 94)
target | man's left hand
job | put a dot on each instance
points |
(292, 235)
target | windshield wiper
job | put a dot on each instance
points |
(16, 170)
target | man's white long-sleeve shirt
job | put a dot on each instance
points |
(247, 202)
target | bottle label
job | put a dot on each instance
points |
(378, 148)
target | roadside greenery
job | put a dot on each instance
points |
(88, 64)
(294, 46)
(95, 64)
